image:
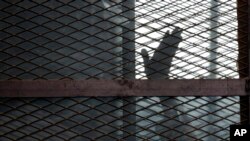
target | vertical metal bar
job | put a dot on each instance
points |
(214, 21)
(128, 47)
(248, 26)
(243, 57)
(214, 17)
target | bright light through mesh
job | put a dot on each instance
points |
(209, 48)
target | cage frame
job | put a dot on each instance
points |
(132, 87)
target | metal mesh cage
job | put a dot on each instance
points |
(112, 118)
(100, 39)
(115, 39)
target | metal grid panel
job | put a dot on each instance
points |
(73, 39)
(76, 39)
(207, 46)
(105, 119)
(60, 39)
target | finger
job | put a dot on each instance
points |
(145, 56)
(146, 60)
(167, 33)
(177, 32)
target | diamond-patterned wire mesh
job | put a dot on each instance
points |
(74, 39)
(209, 38)
(58, 39)
(101, 118)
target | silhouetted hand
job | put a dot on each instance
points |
(159, 65)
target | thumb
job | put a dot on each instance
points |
(146, 60)
(145, 56)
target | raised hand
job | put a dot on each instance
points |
(159, 65)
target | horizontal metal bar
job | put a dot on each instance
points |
(72, 88)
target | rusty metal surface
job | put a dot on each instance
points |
(62, 88)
